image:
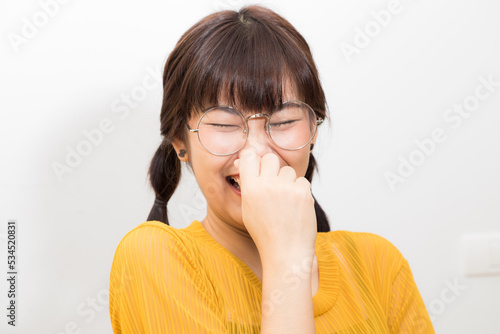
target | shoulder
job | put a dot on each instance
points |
(152, 231)
(374, 251)
(153, 241)
(362, 241)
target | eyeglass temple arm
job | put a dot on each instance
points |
(191, 130)
(319, 120)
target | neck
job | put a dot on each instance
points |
(234, 238)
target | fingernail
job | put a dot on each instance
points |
(248, 151)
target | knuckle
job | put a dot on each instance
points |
(288, 170)
(302, 191)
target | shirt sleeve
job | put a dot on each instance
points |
(390, 272)
(155, 287)
(407, 312)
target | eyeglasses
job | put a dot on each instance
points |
(223, 130)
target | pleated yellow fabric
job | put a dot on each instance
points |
(169, 280)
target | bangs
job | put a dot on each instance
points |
(249, 62)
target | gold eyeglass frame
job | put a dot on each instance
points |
(319, 121)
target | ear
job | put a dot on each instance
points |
(181, 150)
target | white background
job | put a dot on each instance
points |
(73, 71)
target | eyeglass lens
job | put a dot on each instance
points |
(221, 130)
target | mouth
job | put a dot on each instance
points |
(234, 181)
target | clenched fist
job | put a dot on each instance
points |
(277, 207)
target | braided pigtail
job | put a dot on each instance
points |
(321, 218)
(164, 174)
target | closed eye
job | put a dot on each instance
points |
(220, 124)
(278, 124)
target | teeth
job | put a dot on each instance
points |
(235, 182)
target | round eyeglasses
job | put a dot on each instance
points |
(223, 130)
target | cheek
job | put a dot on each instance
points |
(209, 171)
(298, 160)
(208, 180)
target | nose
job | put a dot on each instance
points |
(257, 136)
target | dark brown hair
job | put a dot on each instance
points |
(244, 57)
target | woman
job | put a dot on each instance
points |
(242, 105)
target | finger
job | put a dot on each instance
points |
(270, 165)
(303, 182)
(287, 173)
(305, 191)
(249, 165)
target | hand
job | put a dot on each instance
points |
(277, 207)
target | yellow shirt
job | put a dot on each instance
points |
(169, 280)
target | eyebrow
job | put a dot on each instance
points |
(290, 103)
(228, 109)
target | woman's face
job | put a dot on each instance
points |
(213, 173)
